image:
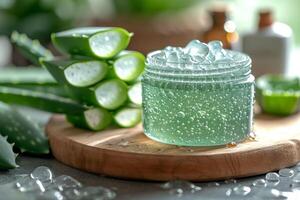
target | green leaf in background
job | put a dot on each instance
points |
(22, 131)
(99, 42)
(40, 100)
(7, 156)
(31, 49)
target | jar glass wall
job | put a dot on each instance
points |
(197, 103)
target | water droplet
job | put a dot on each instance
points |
(42, 173)
(50, 195)
(96, 193)
(272, 177)
(27, 184)
(230, 181)
(64, 182)
(179, 184)
(252, 136)
(259, 183)
(123, 143)
(270, 194)
(231, 145)
(176, 191)
(286, 172)
(239, 191)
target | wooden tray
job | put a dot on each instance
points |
(128, 153)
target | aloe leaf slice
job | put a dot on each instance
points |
(128, 117)
(39, 100)
(109, 94)
(22, 131)
(7, 156)
(129, 65)
(78, 73)
(100, 42)
(135, 93)
(31, 49)
(95, 119)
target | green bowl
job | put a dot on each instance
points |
(277, 94)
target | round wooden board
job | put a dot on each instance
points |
(128, 153)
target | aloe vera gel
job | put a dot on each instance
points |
(199, 95)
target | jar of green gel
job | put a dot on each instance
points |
(199, 95)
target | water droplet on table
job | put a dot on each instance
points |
(259, 183)
(42, 173)
(272, 179)
(270, 194)
(64, 182)
(286, 172)
(239, 191)
(27, 184)
(51, 195)
(96, 193)
(230, 181)
(185, 186)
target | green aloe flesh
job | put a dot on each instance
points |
(135, 94)
(278, 95)
(100, 42)
(95, 119)
(111, 94)
(30, 78)
(128, 117)
(129, 65)
(7, 156)
(108, 94)
(39, 100)
(31, 49)
(22, 131)
(77, 73)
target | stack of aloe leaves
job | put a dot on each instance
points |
(96, 84)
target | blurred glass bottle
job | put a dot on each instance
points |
(269, 46)
(221, 29)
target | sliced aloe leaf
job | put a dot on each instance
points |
(22, 131)
(128, 117)
(39, 100)
(108, 94)
(7, 156)
(100, 42)
(129, 65)
(31, 49)
(94, 119)
(78, 73)
(135, 94)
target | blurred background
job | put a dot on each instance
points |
(155, 23)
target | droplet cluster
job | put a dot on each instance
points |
(44, 185)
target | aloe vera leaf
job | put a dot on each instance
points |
(128, 117)
(78, 73)
(100, 42)
(22, 131)
(135, 94)
(39, 100)
(108, 94)
(95, 119)
(7, 156)
(128, 65)
(31, 49)
(31, 78)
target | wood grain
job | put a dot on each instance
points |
(128, 153)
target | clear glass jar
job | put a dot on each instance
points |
(205, 103)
